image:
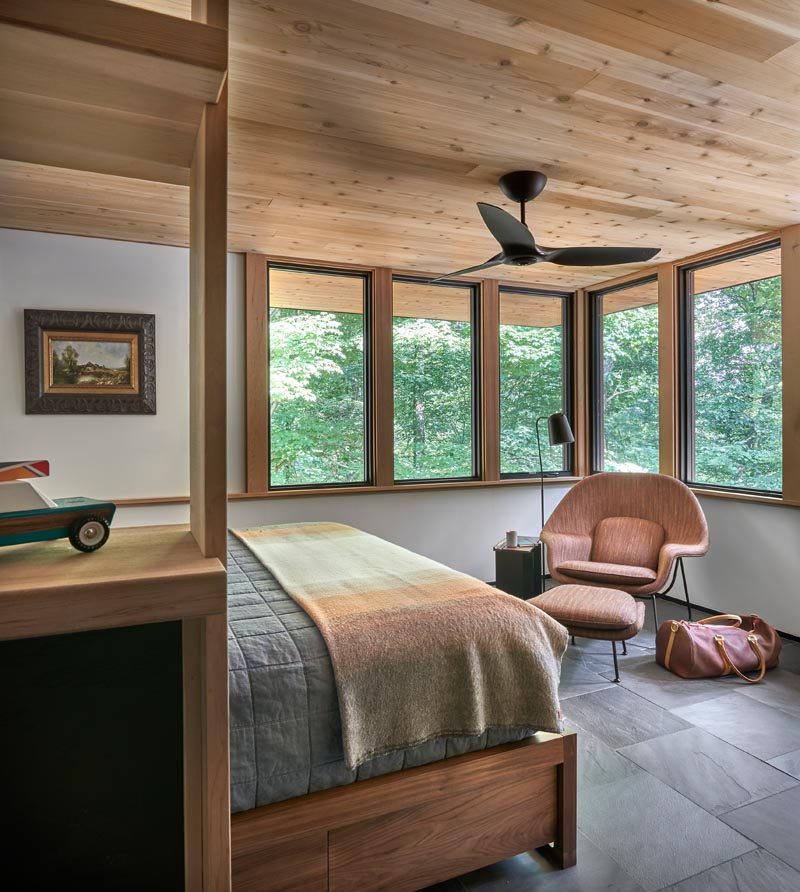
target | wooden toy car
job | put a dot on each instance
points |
(27, 515)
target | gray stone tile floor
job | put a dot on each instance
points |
(683, 786)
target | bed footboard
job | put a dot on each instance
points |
(407, 830)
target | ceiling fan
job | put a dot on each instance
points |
(518, 245)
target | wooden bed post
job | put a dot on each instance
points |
(565, 846)
(205, 654)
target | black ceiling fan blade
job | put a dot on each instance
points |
(514, 237)
(597, 256)
(492, 261)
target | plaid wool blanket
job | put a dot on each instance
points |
(418, 650)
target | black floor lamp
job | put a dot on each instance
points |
(560, 434)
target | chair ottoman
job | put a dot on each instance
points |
(591, 612)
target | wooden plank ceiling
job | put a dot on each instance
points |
(364, 131)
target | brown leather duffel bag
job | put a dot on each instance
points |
(706, 649)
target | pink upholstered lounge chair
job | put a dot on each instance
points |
(626, 531)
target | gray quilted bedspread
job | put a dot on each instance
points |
(286, 738)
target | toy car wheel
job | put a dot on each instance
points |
(89, 533)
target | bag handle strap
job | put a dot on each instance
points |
(735, 620)
(751, 640)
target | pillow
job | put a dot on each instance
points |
(632, 541)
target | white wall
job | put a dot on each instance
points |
(456, 526)
(753, 564)
(129, 456)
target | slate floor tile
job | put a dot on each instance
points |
(594, 872)
(602, 662)
(576, 679)
(660, 686)
(780, 688)
(789, 762)
(658, 836)
(746, 723)
(772, 823)
(715, 775)
(757, 871)
(620, 718)
(598, 764)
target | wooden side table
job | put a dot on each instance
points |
(518, 571)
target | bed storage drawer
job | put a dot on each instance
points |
(287, 865)
(418, 846)
(409, 829)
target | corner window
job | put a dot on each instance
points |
(534, 379)
(731, 355)
(625, 378)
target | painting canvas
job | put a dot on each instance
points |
(97, 363)
(81, 363)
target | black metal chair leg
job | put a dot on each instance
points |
(685, 589)
(655, 610)
(616, 665)
(625, 648)
(573, 639)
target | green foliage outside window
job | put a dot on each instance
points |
(738, 386)
(316, 392)
(531, 385)
(432, 399)
(630, 385)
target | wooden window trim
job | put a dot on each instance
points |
(256, 351)
(669, 366)
(489, 381)
(594, 360)
(381, 384)
(476, 361)
(684, 399)
(489, 389)
(568, 369)
(309, 492)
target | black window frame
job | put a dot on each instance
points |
(686, 390)
(475, 346)
(567, 327)
(596, 376)
(369, 469)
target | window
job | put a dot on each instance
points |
(316, 377)
(731, 363)
(434, 375)
(625, 378)
(534, 379)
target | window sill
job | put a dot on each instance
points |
(351, 490)
(702, 492)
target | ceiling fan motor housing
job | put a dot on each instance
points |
(522, 185)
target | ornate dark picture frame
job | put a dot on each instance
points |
(136, 397)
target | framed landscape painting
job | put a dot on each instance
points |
(89, 363)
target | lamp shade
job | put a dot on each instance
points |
(559, 429)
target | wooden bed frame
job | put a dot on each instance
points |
(407, 830)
